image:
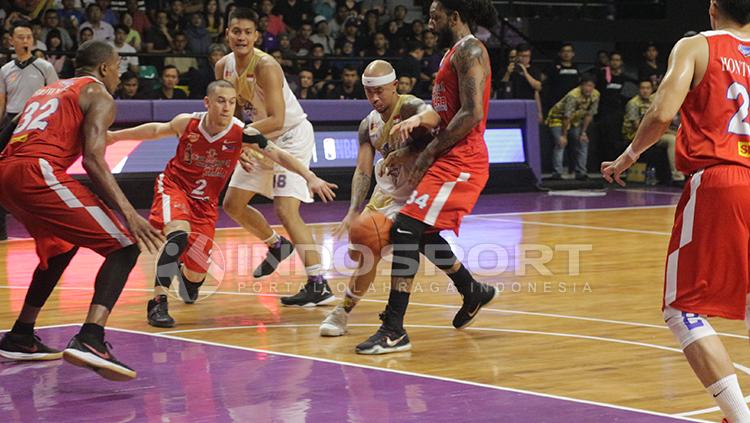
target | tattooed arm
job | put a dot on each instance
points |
(361, 180)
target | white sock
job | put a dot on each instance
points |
(728, 396)
(314, 270)
(273, 239)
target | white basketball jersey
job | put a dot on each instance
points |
(392, 183)
(255, 105)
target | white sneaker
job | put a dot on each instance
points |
(335, 323)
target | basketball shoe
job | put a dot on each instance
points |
(16, 346)
(188, 290)
(157, 313)
(315, 292)
(276, 254)
(89, 352)
(388, 338)
(335, 322)
(478, 296)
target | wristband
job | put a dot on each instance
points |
(632, 154)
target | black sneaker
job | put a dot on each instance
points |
(26, 347)
(582, 177)
(157, 313)
(311, 295)
(386, 340)
(85, 351)
(554, 177)
(479, 296)
(275, 256)
(188, 290)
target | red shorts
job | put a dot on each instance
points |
(450, 188)
(707, 269)
(173, 203)
(58, 211)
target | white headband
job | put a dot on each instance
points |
(376, 81)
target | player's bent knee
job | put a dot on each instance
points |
(192, 275)
(687, 327)
(177, 225)
(177, 242)
(406, 234)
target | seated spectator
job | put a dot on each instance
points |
(432, 56)
(350, 34)
(301, 44)
(158, 40)
(568, 121)
(70, 16)
(379, 47)
(399, 16)
(651, 68)
(39, 54)
(134, 37)
(321, 69)
(198, 38)
(183, 64)
(286, 65)
(285, 46)
(52, 22)
(634, 112)
(266, 41)
(62, 64)
(336, 25)
(169, 79)
(127, 63)
(140, 23)
(204, 75)
(417, 30)
(348, 88)
(353, 8)
(36, 30)
(294, 12)
(85, 35)
(371, 24)
(128, 89)
(177, 18)
(411, 64)
(396, 39)
(7, 46)
(378, 6)
(276, 23)
(214, 20)
(324, 8)
(108, 15)
(322, 35)
(347, 50)
(405, 85)
(306, 90)
(103, 31)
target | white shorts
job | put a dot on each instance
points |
(273, 180)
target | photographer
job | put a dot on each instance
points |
(522, 81)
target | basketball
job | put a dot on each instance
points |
(371, 230)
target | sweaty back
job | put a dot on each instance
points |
(715, 126)
(51, 124)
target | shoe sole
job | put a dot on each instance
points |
(20, 356)
(377, 350)
(325, 301)
(331, 331)
(103, 368)
(469, 322)
(160, 325)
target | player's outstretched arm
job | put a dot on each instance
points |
(360, 181)
(98, 109)
(421, 115)
(151, 131)
(686, 56)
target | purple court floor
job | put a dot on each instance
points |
(181, 381)
(495, 203)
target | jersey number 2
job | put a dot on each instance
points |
(199, 190)
(738, 125)
(31, 120)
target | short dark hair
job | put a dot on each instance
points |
(127, 76)
(567, 44)
(21, 24)
(93, 53)
(244, 13)
(587, 77)
(736, 10)
(122, 28)
(306, 70)
(413, 45)
(92, 5)
(219, 83)
(473, 12)
(349, 68)
(615, 53)
(168, 67)
(523, 47)
(317, 45)
(646, 80)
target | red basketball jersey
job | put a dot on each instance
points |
(715, 127)
(51, 124)
(446, 101)
(203, 163)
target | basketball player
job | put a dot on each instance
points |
(450, 173)
(264, 93)
(392, 189)
(707, 262)
(59, 123)
(187, 193)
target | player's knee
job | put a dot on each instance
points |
(233, 206)
(287, 214)
(406, 233)
(177, 241)
(439, 252)
(687, 327)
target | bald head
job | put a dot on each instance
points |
(378, 68)
(379, 80)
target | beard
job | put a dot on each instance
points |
(445, 38)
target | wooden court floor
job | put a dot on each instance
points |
(588, 328)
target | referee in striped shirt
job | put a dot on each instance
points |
(19, 78)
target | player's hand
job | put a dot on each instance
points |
(613, 170)
(322, 189)
(395, 158)
(246, 160)
(423, 162)
(346, 223)
(148, 238)
(401, 131)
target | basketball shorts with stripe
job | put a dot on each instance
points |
(58, 211)
(173, 203)
(707, 270)
(449, 189)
